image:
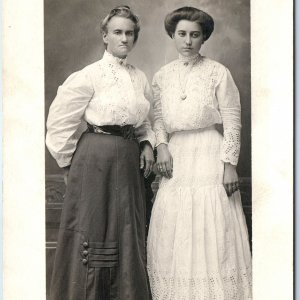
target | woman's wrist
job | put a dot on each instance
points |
(161, 147)
(145, 143)
(229, 165)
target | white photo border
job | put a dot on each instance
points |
(24, 150)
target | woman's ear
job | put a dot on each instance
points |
(104, 37)
(173, 35)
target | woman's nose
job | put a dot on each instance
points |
(188, 40)
(124, 38)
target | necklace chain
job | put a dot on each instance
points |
(186, 74)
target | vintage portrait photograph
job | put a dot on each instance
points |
(148, 150)
(148, 159)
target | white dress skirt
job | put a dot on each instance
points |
(198, 245)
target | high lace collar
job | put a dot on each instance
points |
(189, 59)
(113, 59)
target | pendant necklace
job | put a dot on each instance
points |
(187, 71)
(183, 93)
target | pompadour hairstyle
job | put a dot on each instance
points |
(190, 14)
(123, 11)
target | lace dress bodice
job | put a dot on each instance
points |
(196, 93)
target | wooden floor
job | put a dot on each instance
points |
(55, 189)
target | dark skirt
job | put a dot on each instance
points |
(101, 243)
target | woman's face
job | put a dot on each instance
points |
(119, 37)
(188, 38)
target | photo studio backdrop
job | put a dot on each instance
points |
(73, 40)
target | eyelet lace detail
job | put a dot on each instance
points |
(234, 285)
(202, 107)
(231, 146)
(119, 92)
(197, 111)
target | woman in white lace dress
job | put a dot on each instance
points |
(101, 244)
(198, 244)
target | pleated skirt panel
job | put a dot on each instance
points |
(101, 244)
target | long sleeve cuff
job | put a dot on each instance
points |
(61, 159)
(231, 146)
(150, 137)
(161, 137)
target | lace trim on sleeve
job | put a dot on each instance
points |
(231, 146)
(230, 109)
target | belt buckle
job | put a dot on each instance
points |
(98, 130)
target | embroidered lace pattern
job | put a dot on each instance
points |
(231, 146)
(119, 97)
(108, 92)
(234, 285)
(212, 98)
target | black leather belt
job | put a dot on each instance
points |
(127, 131)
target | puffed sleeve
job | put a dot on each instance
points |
(230, 109)
(159, 127)
(145, 132)
(65, 116)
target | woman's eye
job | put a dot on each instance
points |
(195, 35)
(130, 33)
(181, 33)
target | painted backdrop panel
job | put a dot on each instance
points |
(73, 40)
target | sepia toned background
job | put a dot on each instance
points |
(72, 40)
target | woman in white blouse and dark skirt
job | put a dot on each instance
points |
(101, 244)
(198, 244)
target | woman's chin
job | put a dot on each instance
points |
(122, 53)
(187, 53)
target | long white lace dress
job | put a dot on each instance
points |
(198, 245)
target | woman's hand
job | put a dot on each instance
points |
(66, 174)
(164, 161)
(147, 159)
(230, 179)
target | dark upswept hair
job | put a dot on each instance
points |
(190, 14)
(123, 11)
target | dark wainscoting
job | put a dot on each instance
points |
(55, 189)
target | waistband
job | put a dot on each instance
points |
(197, 130)
(126, 131)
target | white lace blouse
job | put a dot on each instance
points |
(107, 92)
(193, 93)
